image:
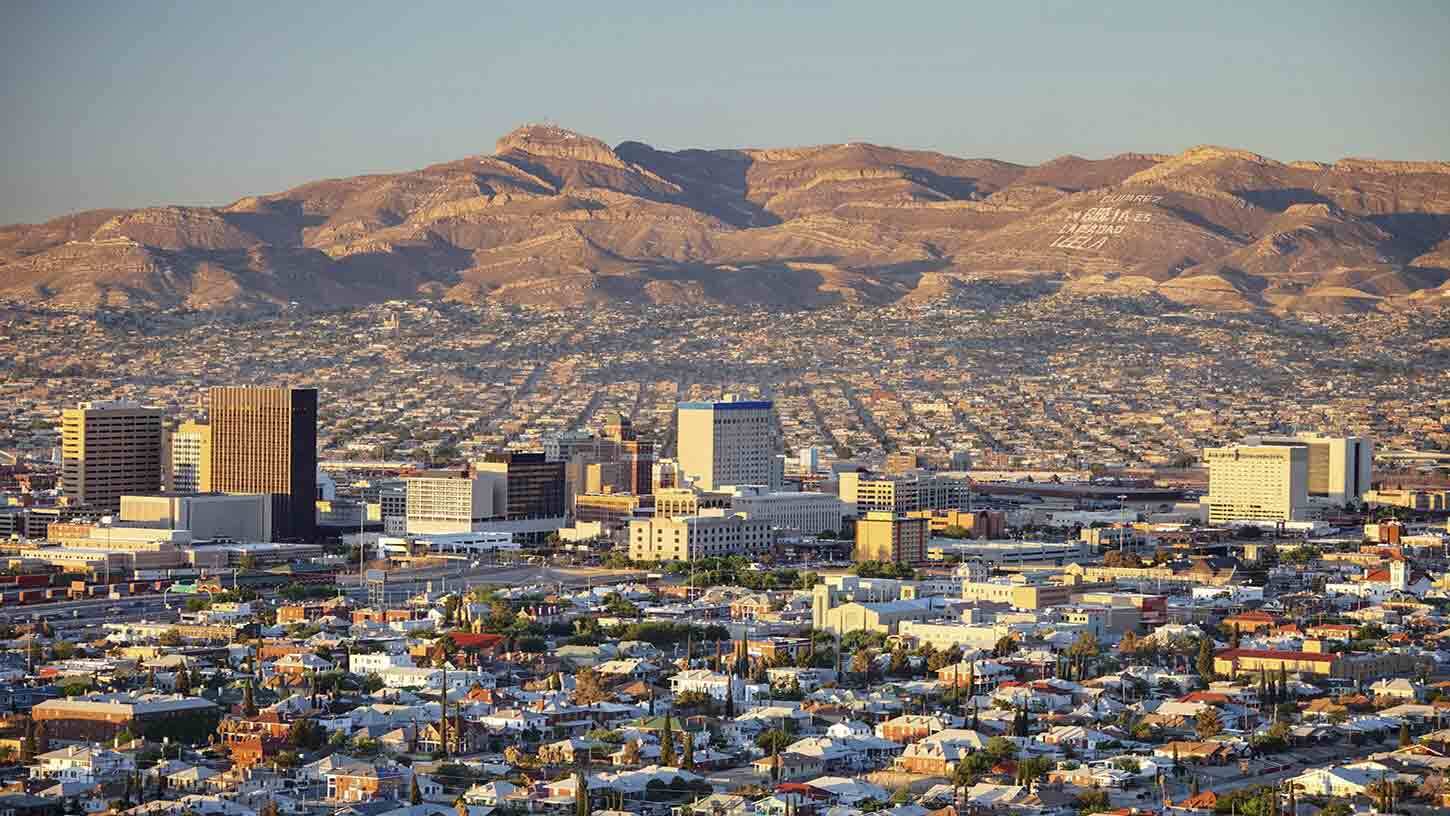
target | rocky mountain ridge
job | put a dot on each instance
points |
(554, 217)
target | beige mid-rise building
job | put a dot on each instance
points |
(1257, 483)
(189, 458)
(885, 536)
(686, 538)
(110, 449)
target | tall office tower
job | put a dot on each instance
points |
(636, 455)
(189, 452)
(109, 449)
(264, 440)
(1339, 467)
(728, 443)
(532, 487)
(1257, 483)
(885, 536)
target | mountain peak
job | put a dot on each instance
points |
(547, 140)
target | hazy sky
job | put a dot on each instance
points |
(122, 104)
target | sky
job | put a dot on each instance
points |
(112, 104)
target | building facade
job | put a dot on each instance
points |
(188, 467)
(801, 512)
(686, 538)
(110, 449)
(885, 536)
(449, 502)
(1339, 469)
(732, 442)
(863, 492)
(1257, 483)
(264, 440)
(532, 488)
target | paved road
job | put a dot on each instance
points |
(94, 611)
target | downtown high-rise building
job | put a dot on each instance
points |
(188, 468)
(1257, 483)
(108, 450)
(1339, 467)
(264, 440)
(732, 442)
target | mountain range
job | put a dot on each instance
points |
(553, 217)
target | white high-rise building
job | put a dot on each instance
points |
(448, 503)
(732, 442)
(1257, 483)
(1340, 468)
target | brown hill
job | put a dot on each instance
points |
(553, 217)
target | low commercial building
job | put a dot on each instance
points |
(1022, 592)
(240, 517)
(835, 590)
(684, 501)
(100, 717)
(944, 635)
(685, 538)
(801, 512)
(1010, 553)
(1362, 667)
(886, 617)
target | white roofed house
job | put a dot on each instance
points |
(79, 763)
(715, 684)
(633, 669)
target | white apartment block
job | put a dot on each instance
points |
(451, 503)
(686, 538)
(1257, 483)
(801, 512)
(728, 443)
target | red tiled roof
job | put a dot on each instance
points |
(468, 640)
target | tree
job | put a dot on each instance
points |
(1005, 646)
(589, 687)
(415, 794)
(171, 637)
(269, 808)
(773, 740)
(581, 793)
(861, 664)
(1210, 723)
(1205, 658)
(667, 743)
(249, 704)
(689, 763)
(1092, 801)
(28, 746)
(899, 665)
(1404, 734)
